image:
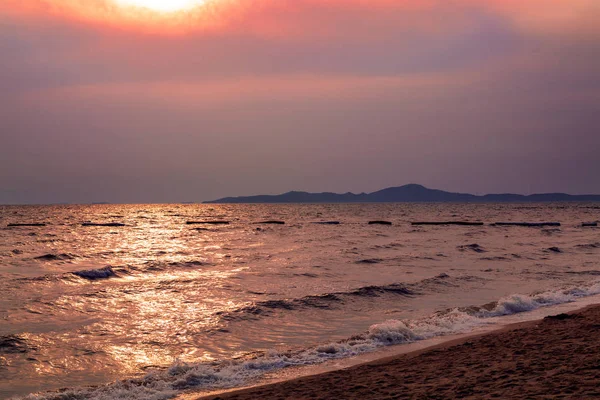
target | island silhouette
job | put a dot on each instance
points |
(412, 193)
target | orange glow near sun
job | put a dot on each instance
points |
(160, 17)
(162, 5)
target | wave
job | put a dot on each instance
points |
(588, 246)
(495, 258)
(267, 308)
(13, 344)
(324, 301)
(94, 274)
(108, 271)
(585, 272)
(57, 257)
(166, 384)
(87, 274)
(472, 247)
(370, 261)
(164, 266)
(516, 303)
(307, 275)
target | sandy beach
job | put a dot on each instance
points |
(557, 357)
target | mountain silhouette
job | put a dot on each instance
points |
(412, 193)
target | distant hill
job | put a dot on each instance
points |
(404, 194)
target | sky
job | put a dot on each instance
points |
(104, 101)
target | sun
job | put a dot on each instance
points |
(162, 5)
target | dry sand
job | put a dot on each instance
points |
(557, 357)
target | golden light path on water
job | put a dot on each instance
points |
(162, 5)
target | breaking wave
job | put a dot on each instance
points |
(181, 376)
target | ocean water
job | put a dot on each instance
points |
(158, 307)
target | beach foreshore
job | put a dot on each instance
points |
(556, 357)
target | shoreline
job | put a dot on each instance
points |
(548, 356)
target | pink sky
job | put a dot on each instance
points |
(239, 97)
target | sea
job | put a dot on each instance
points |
(165, 301)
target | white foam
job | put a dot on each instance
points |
(220, 375)
(517, 303)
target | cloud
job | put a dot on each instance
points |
(271, 37)
(55, 44)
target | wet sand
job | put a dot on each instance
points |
(557, 357)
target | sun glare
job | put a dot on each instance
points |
(162, 5)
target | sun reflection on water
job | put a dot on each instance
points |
(149, 321)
